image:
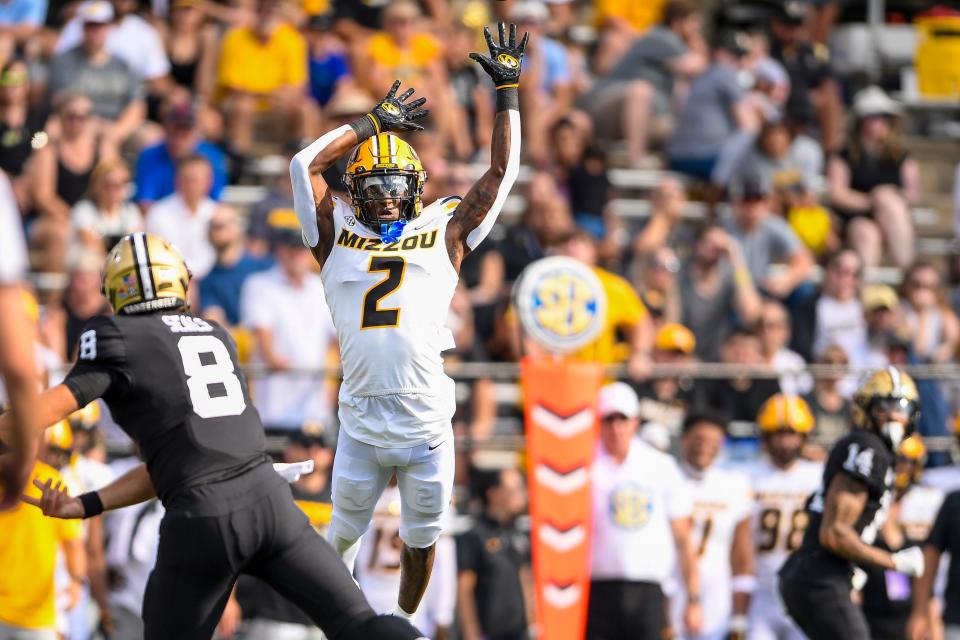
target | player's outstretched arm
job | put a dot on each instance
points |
(479, 209)
(51, 406)
(312, 200)
(131, 488)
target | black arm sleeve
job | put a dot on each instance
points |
(101, 364)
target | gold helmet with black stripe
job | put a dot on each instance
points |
(145, 273)
(785, 413)
(888, 404)
(385, 179)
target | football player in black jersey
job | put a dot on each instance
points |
(172, 382)
(845, 513)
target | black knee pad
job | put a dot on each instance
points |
(387, 627)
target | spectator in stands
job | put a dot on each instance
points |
(156, 165)
(637, 92)
(716, 289)
(191, 48)
(767, 240)
(264, 66)
(20, 20)
(81, 301)
(90, 68)
(279, 198)
(639, 502)
(657, 285)
(286, 310)
(60, 175)
(471, 89)
(220, 289)
(834, 316)
(785, 156)
(933, 326)
(620, 22)
(404, 50)
(107, 215)
(545, 220)
(883, 316)
(548, 90)
(18, 124)
(494, 580)
(582, 172)
(719, 120)
(29, 550)
(812, 85)
(665, 400)
(132, 39)
(775, 336)
(627, 335)
(873, 182)
(830, 406)
(741, 397)
(184, 216)
(664, 225)
(329, 64)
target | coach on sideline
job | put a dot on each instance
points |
(642, 526)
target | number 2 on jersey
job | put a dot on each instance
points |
(373, 317)
(209, 370)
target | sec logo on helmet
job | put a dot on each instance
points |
(560, 303)
(508, 61)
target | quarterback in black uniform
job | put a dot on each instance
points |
(847, 510)
(172, 383)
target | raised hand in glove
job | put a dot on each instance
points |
(503, 65)
(392, 114)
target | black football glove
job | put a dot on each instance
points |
(395, 114)
(392, 114)
(503, 65)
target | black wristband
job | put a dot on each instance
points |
(508, 98)
(92, 505)
(365, 127)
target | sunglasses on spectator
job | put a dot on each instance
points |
(671, 266)
(773, 324)
(846, 271)
(76, 115)
(114, 184)
(933, 285)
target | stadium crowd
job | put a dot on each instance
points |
(772, 191)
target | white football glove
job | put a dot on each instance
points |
(909, 561)
(291, 471)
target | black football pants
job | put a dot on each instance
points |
(199, 559)
(823, 610)
(625, 610)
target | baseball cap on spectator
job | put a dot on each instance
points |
(878, 296)
(618, 398)
(529, 12)
(791, 12)
(312, 433)
(873, 101)
(180, 114)
(284, 228)
(736, 43)
(675, 337)
(754, 186)
(96, 12)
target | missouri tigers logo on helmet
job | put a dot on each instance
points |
(145, 273)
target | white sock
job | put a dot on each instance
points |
(400, 613)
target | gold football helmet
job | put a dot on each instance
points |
(885, 395)
(145, 273)
(86, 418)
(913, 450)
(384, 168)
(59, 436)
(785, 413)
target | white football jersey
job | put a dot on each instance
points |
(378, 567)
(390, 304)
(721, 500)
(779, 517)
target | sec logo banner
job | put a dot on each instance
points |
(560, 303)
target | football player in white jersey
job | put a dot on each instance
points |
(781, 483)
(390, 266)
(721, 525)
